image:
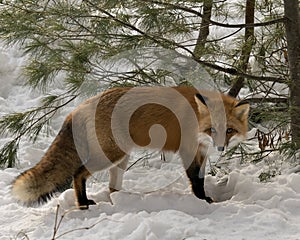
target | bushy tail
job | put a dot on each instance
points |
(52, 173)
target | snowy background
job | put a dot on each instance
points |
(156, 202)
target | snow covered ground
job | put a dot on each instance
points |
(156, 202)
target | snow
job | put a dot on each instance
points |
(246, 209)
(156, 202)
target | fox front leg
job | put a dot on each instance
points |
(196, 175)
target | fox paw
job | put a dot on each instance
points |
(86, 205)
(111, 190)
(209, 200)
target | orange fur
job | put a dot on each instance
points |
(96, 136)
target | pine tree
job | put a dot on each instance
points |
(85, 40)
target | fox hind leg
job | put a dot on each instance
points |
(79, 184)
(116, 175)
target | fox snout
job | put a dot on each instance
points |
(221, 148)
(219, 144)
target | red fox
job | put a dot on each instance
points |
(101, 132)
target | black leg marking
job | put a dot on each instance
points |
(82, 199)
(197, 181)
(79, 183)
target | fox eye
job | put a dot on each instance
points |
(229, 130)
(213, 130)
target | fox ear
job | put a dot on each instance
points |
(202, 98)
(241, 110)
(201, 102)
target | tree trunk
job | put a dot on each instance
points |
(292, 26)
(247, 48)
(204, 28)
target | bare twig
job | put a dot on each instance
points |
(268, 100)
(22, 235)
(85, 228)
(57, 224)
(140, 159)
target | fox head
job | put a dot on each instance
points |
(223, 120)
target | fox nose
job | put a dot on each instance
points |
(221, 149)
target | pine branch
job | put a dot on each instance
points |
(74, 38)
(163, 41)
(225, 25)
(29, 123)
(8, 154)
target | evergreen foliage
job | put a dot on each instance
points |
(75, 39)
